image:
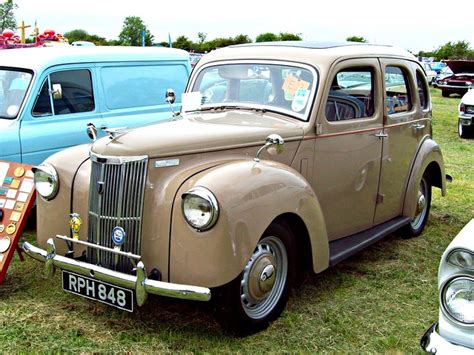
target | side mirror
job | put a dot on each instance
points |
(274, 145)
(57, 92)
(92, 131)
(170, 96)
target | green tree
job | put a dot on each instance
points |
(286, 36)
(82, 35)
(267, 37)
(356, 39)
(183, 42)
(131, 34)
(202, 37)
(457, 50)
(7, 17)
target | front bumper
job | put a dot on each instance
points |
(466, 120)
(434, 343)
(140, 283)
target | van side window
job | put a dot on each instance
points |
(422, 90)
(71, 92)
(397, 90)
(43, 103)
(138, 86)
(351, 95)
(76, 95)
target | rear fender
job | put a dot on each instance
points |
(250, 196)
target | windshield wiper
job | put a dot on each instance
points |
(226, 107)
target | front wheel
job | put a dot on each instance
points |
(423, 204)
(259, 294)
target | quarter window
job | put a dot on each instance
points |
(397, 91)
(422, 90)
(70, 91)
(351, 95)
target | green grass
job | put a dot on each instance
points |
(380, 300)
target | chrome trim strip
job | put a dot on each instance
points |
(433, 343)
(114, 159)
(100, 247)
(140, 283)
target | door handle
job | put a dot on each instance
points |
(417, 126)
(381, 134)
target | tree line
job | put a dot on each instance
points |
(135, 33)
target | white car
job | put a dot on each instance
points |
(466, 115)
(454, 333)
(430, 73)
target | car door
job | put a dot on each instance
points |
(347, 147)
(406, 123)
(58, 117)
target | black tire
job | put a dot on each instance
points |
(465, 131)
(418, 223)
(445, 93)
(244, 307)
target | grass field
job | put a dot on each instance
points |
(380, 300)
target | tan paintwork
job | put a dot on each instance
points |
(327, 175)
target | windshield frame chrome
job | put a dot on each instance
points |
(27, 91)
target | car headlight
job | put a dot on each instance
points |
(200, 208)
(46, 181)
(461, 258)
(458, 299)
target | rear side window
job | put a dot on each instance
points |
(351, 95)
(70, 91)
(139, 86)
(397, 90)
(422, 90)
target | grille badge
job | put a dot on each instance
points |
(118, 236)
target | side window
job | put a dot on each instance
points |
(43, 103)
(140, 86)
(72, 92)
(422, 90)
(397, 90)
(351, 95)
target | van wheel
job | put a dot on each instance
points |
(423, 204)
(259, 294)
(464, 131)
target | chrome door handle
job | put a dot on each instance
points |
(381, 134)
(417, 126)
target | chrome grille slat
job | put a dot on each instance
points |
(119, 204)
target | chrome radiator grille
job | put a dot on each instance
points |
(116, 194)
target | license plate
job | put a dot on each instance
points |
(98, 290)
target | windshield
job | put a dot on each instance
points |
(273, 87)
(13, 87)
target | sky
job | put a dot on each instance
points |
(411, 24)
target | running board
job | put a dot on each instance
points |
(343, 248)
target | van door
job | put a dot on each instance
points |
(406, 123)
(348, 149)
(58, 117)
(134, 94)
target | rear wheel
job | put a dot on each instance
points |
(464, 131)
(423, 204)
(259, 294)
(445, 93)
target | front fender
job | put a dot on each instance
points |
(250, 196)
(429, 160)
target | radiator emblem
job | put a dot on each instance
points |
(118, 236)
(100, 187)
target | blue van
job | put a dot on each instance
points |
(49, 95)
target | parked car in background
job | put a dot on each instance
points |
(286, 156)
(462, 79)
(454, 331)
(466, 115)
(195, 58)
(430, 73)
(444, 73)
(83, 44)
(438, 66)
(49, 95)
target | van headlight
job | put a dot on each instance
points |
(461, 258)
(457, 298)
(200, 208)
(46, 181)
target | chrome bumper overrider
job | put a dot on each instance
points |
(140, 283)
(434, 343)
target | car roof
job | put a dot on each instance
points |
(39, 58)
(306, 52)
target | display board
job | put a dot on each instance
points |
(17, 196)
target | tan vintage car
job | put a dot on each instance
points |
(285, 156)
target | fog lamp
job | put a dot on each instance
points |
(461, 258)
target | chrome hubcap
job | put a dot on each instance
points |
(421, 205)
(421, 202)
(264, 278)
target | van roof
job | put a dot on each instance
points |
(40, 58)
